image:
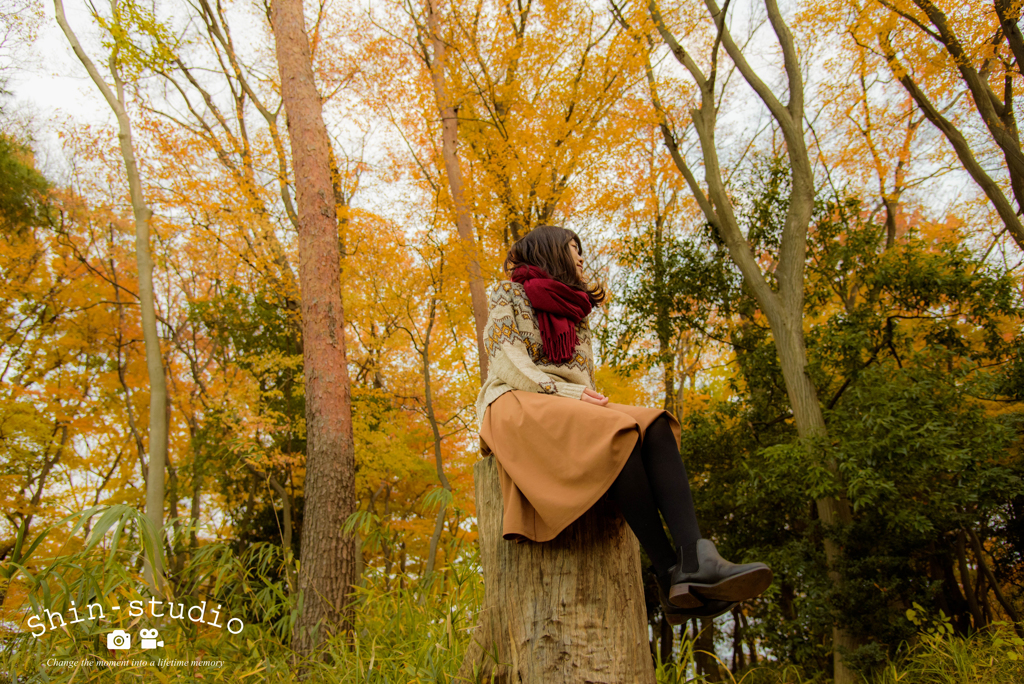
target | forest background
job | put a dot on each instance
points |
(686, 154)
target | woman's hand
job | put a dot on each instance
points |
(592, 397)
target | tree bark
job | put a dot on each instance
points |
(568, 610)
(327, 565)
(158, 407)
(456, 184)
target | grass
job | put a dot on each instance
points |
(406, 630)
(995, 656)
(403, 634)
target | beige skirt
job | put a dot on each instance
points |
(557, 456)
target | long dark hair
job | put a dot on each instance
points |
(547, 248)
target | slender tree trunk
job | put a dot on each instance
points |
(286, 513)
(965, 580)
(327, 565)
(665, 642)
(704, 649)
(1011, 612)
(570, 610)
(456, 185)
(175, 550)
(663, 323)
(750, 641)
(787, 333)
(158, 406)
(737, 643)
(428, 403)
(194, 508)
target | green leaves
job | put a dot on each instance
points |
(671, 286)
(21, 186)
(1013, 647)
(116, 518)
(802, 467)
(915, 350)
(138, 41)
(437, 496)
(936, 627)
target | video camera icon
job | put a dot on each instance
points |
(148, 637)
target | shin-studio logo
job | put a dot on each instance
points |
(98, 612)
(120, 640)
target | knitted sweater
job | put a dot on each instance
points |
(516, 359)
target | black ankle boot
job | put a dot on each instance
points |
(715, 578)
(710, 608)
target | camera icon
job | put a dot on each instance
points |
(119, 640)
(149, 638)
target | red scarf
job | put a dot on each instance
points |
(558, 307)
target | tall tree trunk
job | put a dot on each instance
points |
(783, 307)
(175, 550)
(327, 564)
(456, 185)
(570, 610)
(158, 407)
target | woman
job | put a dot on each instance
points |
(560, 445)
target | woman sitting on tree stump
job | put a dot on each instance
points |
(560, 446)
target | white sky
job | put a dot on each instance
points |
(49, 86)
(48, 83)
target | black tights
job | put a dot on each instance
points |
(654, 478)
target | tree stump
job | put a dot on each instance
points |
(568, 610)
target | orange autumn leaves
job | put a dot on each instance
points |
(552, 107)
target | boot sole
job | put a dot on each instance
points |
(736, 588)
(678, 619)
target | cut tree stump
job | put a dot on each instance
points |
(570, 610)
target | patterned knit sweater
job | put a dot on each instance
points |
(516, 359)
